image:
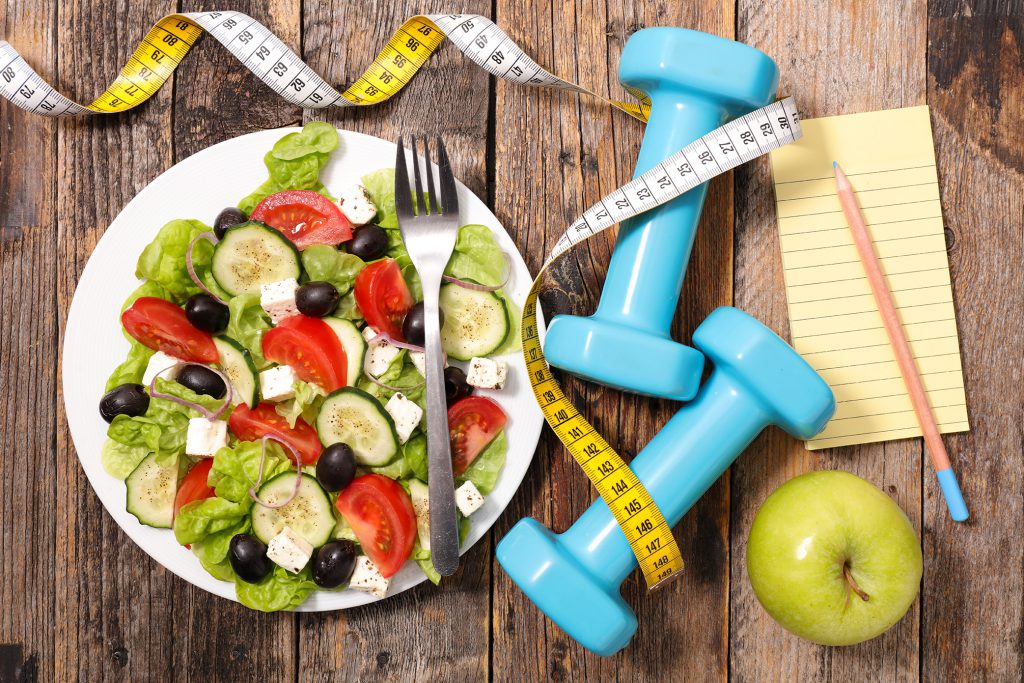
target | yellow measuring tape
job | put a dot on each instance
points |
(167, 43)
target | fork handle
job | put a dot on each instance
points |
(444, 531)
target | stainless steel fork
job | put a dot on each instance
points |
(429, 232)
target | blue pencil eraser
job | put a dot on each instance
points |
(951, 491)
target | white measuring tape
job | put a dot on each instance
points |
(273, 62)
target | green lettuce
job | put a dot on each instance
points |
(212, 550)
(236, 470)
(280, 590)
(414, 452)
(246, 324)
(201, 518)
(324, 263)
(381, 187)
(162, 429)
(295, 162)
(119, 459)
(131, 370)
(485, 469)
(305, 403)
(163, 259)
(477, 256)
(349, 309)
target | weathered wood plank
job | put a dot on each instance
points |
(574, 153)
(28, 345)
(428, 633)
(882, 67)
(973, 615)
(113, 603)
(215, 98)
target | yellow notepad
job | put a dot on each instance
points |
(834, 322)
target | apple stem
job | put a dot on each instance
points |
(853, 584)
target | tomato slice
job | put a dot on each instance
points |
(194, 486)
(311, 348)
(473, 423)
(305, 217)
(162, 326)
(253, 424)
(380, 513)
(383, 297)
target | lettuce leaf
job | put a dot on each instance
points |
(119, 459)
(488, 465)
(280, 590)
(305, 403)
(414, 451)
(324, 263)
(163, 260)
(381, 186)
(236, 470)
(246, 325)
(201, 518)
(295, 162)
(131, 370)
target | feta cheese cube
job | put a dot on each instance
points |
(485, 373)
(419, 359)
(159, 362)
(468, 498)
(289, 550)
(379, 353)
(205, 437)
(278, 299)
(367, 578)
(405, 413)
(277, 384)
(356, 204)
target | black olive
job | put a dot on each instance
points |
(333, 563)
(249, 558)
(127, 399)
(413, 326)
(206, 313)
(336, 467)
(317, 299)
(226, 218)
(455, 386)
(369, 242)
(202, 380)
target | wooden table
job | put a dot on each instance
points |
(78, 600)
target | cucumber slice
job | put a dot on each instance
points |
(475, 323)
(236, 362)
(420, 495)
(151, 491)
(354, 417)
(310, 514)
(253, 254)
(353, 343)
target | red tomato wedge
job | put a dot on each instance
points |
(383, 297)
(473, 423)
(380, 513)
(311, 348)
(253, 425)
(305, 217)
(194, 486)
(162, 326)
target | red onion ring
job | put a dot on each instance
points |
(202, 410)
(191, 267)
(388, 386)
(298, 473)
(394, 342)
(476, 287)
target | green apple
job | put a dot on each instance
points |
(833, 559)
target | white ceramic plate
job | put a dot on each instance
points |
(199, 187)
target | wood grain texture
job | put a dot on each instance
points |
(576, 151)
(28, 347)
(972, 618)
(829, 73)
(427, 633)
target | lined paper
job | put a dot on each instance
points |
(834, 321)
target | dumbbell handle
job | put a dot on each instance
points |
(646, 271)
(682, 462)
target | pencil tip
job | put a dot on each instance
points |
(835, 165)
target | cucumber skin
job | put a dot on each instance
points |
(380, 409)
(257, 508)
(352, 377)
(251, 401)
(508, 323)
(247, 225)
(130, 483)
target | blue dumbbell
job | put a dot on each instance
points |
(758, 380)
(696, 83)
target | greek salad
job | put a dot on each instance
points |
(270, 410)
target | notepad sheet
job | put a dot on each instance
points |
(834, 321)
